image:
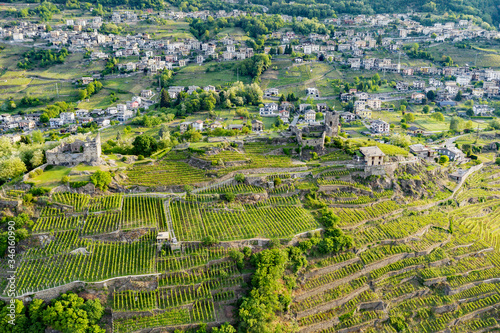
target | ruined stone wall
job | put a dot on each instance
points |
(71, 154)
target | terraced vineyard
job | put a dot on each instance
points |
(193, 220)
(417, 269)
(165, 173)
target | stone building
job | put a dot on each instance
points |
(71, 154)
(314, 135)
(331, 124)
(257, 126)
(372, 155)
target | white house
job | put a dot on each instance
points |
(125, 115)
(67, 117)
(269, 109)
(56, 122)
(482, 110)
(312, 92)
(379, 127)
(310, 116)
(198, 125)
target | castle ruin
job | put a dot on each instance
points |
(314, 135)
(71, 154)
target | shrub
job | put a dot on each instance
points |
(140, 158)
(28, 198)
(209, 240)
(101, 179)
(443, 159)
(238, 257)
(37, 191)
(229, 196)
(78, 184)
(239, 177)
(274, 243)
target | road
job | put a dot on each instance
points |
(450, 142)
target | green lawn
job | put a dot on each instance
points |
(430, 124)
(234, 32)
(52, 177)
(488, 53)
(172, 29)
(41, 82)
(208, 74)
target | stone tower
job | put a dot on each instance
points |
(331, 123)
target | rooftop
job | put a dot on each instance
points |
(371, 151)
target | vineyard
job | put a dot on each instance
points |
(410, 268)
(432, 269)
(165, 173)
(194, 220)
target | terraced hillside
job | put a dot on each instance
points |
(354, 255)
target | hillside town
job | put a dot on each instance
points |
(223, 166)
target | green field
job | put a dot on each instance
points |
(208, 74)
(488, 54)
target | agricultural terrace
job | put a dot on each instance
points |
(435, 265)
(274, 218)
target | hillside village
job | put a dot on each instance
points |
(237, 166)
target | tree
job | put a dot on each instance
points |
(164, 99)
(409, 117)
(469, 112)
(458, 97)
(277, 181)
(71, 314)
(400, 140)
(44, 118)
(37, 158)
(467, 148)
(11, 167)
(37, 136)
(431, 95)
(164, 134)
(456, 124)
(426, 109)
(90, 89)
(82, 94)
(437, 116)
(238, 257)
(101, 179)
(209, 102)
(443, 159)
(447, 61)
(144, 145)
(192, 135)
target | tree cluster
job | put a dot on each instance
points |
(67, 314)
(42, 58)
